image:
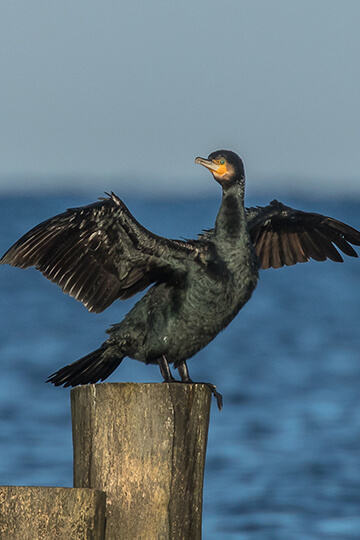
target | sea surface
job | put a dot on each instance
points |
(283, 459)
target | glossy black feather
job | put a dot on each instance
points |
(312, 236)
(99, 253)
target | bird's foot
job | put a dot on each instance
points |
(216, 394)
(185, 378)
(212, 387)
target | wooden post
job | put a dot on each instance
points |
(48, 513)
(144, 444)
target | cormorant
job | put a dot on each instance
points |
(99, 253)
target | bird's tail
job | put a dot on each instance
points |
(93, 367)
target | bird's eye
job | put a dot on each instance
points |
(222, 161)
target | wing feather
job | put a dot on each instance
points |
(98, 253)
(289, 257)
(311, 248)
(276, 252)
(285, 236)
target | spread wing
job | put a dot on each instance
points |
(98, 253)
(285, 236)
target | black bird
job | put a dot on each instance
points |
(99, 253)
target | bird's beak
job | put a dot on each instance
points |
(207, 163)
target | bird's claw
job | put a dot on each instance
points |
(216, 394)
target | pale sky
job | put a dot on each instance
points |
(135, 90)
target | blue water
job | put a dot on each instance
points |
(283, 458)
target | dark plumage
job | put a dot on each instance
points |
(99, 253)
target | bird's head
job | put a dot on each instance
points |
(225, 166)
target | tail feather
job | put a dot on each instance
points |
(91, 368)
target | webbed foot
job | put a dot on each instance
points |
(185, 378)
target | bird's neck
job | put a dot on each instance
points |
(231, 219)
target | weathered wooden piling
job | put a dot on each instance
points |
(144, 445)
(49, 513)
